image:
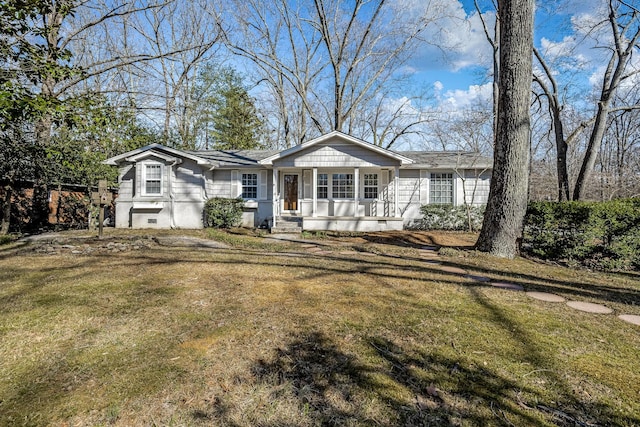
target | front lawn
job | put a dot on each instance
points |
(356, 331)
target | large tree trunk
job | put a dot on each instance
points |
(6, 209)
(503, 221)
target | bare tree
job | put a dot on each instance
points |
(507, 204)
(625, 29)
(621, 39)
(334, 56)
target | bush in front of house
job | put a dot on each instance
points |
(220, 212)
(600, 235)
(449, 217)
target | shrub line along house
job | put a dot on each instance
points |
(333, 182)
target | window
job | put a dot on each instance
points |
(441, 189)
(153, 179)
(342, 185)
(370, 185)
(323, 186)
(249, 185)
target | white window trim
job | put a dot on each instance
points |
(242, 186)
(454, 183)
(331, 186)
(364, 186)
(144, 179)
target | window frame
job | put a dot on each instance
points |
(245, 185)
(342, 186)
(146, 179)
(370, 182)
(322, 186)
(437, 182)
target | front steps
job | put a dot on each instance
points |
(287, 224)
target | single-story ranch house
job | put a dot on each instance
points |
(334, 182)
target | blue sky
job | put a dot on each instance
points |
(466, 68)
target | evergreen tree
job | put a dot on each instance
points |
(228, 118)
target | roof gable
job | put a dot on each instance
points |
(158, 150)
(335, 137)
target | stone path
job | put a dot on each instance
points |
(429, 253)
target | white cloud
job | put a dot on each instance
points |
(453, 39)
(458, 100)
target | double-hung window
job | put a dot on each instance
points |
(249, 185)
(370, 185)
(323, 186)
(152, 179)
(441, 189)
(342, 186)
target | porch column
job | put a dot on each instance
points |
(396, 186)
(314, 192)
(356, 187)
(274, 196)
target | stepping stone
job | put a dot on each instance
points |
(631, 318)
(428, 254)
(452, 269)
(507, 285)
(589, 307)
(546, 296)
(314, 249)
(473, 277)
(348, 253)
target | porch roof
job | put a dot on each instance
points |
(342, 138)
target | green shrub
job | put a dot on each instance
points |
(5, 239)
(601, 235)
(449, 217)
(220, 212)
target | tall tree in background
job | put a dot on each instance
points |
(507, 204)
(226, 113)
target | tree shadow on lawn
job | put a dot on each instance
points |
(397, 386)
(531, 282)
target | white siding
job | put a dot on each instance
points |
(187, 182)
(476, 186)
(336, 156)
(221, 186)
(126, 181)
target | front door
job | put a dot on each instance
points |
(290, 192)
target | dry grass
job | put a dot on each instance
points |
(268, 333)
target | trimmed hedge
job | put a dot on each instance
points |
(600, 235)
(449, 217)
(220, 212)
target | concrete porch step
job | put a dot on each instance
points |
(287, 224)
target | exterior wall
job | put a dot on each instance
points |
(476, 186)
(227, 183)
(180, 204)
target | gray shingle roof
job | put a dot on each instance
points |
(234, 158)
(447, 159)
(422, 159)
